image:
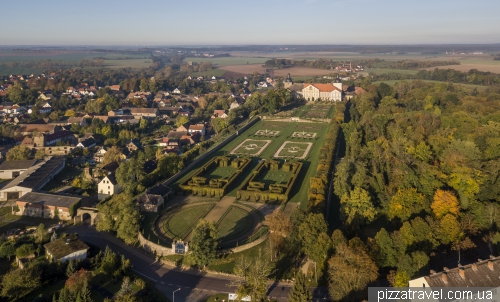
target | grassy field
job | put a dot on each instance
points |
(236, 223)
(185, 219)
(7, 71)
(467, 86)
(227, 61)
(250, 146)
(220, 172)
(389, 70)
(209, 73)
(299, 193)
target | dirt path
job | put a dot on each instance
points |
(220, 208)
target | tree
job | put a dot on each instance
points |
(204, 243)
(407, 202)
(19, 153)
(71, 268)
(253, 273)
(445, 203)
(401, 279)
(279, 227)
(120, 215)
(449, 229)
(8, 249)
(40, 154)
(114, 154)
(25, 250)
(300, 291)
(40, 233)
(70, 113)
(357, 208)
(126, 287)
(78, 280)
(181, 120)
(17, 281)
(350, 270)
(310, 229)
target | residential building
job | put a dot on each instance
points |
(108, 186)
(154, 198)
(46, 205)
(144, 112)
(99, 155)
(484, 273)
(219, 114)
(66, 248)
(197, 128)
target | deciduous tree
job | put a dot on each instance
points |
(204, 243)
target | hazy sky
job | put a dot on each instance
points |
(202, 22)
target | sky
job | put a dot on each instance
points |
(249, 22)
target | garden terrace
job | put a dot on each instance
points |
(214, 177)
(270, 183)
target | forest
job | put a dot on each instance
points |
(420, 180)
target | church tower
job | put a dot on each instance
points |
(288, 81)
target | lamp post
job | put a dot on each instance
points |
(315, 273)
(173, 294)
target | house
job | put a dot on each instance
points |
(115, 87)
(144, 112)
(134, 145)
(66, 248)
(33, 179)
(46, 108)
(234, 105)
(99, 155)
(219, 114)
(154, 198)
(108, 186)
(484, 273)
(324, 92)
(86, 143)
(14, 168)
(45, 205)
(44, 140)
(197, 128)
(176, 91)
(29, 129)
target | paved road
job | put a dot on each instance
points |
(194, 286)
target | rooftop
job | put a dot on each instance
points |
(65, 245)
(49, 199)
(17, 164)
(37, 174)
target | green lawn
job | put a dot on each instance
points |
(227, 61)
(235, 223)
(295, 149)
(220, 172)
(226, 263)
(185, 219)
(274, 177)
(209, 73)
(389, 70)
(250, 147)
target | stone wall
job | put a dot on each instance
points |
(154, 248)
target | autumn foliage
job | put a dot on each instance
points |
(444, 203)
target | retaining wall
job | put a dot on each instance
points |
(153, 247)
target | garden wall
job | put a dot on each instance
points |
(154, 248)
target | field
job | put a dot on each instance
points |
(70, 58)
(465, 67)
(467, 86)
(228, 61)
(293, 71)
(179, 225)
(310, 162)
(235, 223)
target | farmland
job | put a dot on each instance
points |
(467, 86)
(227, 61)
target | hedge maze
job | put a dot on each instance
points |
(269, 182)
(214, 177)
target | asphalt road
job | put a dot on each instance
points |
(193, 285)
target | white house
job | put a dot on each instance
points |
(197, 128)
(46, 108)
(66, 248)
(99, 155)
(176, 91)
(108, 186)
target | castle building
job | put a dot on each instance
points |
(324, 92)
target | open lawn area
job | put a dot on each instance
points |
(220, 172)
(234, 223)
(209, 73)
(274, 177)
(180, 223)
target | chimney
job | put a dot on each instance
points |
(474, 267)
(433, 272)
(461, 271)
(444, 277)
(479, 260)
(445, 269)
(490, 265)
